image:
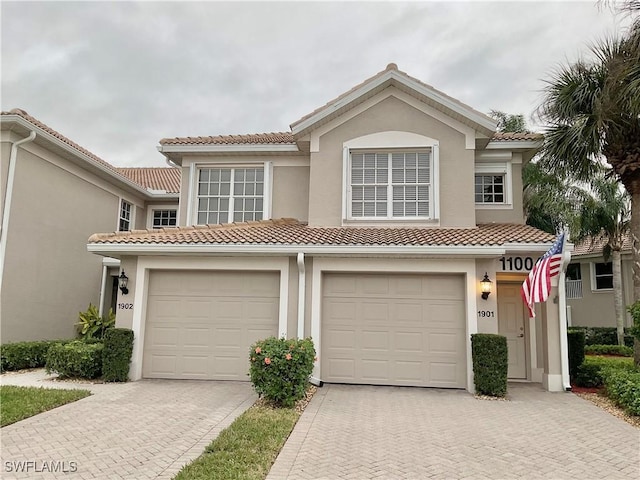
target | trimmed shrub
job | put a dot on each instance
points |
(92, 326)
(116, 356)
(623, 387)
(589, 374)
(490, 363)
(575, 339)
(604, 336)
(75, 359)
(620, 350)
(22, 355)
(279, 369)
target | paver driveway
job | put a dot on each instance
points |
(359, 432)
(139, 430)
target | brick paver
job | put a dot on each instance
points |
(138, 430)
(361, 432)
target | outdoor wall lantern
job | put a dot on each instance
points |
(123, 281)
(485, 286)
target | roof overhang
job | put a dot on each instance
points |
(174, 152)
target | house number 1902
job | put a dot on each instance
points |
(125, 306)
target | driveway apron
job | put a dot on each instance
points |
(363, 432)
(139, 430)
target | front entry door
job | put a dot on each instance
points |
(511, 318)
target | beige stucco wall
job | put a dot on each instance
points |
(290, 193)
(124, 316)
(596, 308)
(392, 114)
(49, 276)
(508, 215)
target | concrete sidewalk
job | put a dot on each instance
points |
(362, 432)
(136, 430)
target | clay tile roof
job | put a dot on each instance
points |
(59, 136)
(154, 178)
(510, 137)
(248, 139)
(292, 232)
(591, 246)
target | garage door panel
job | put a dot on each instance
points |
(205, 327)
(407, 337)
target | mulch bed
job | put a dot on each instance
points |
(599, 399)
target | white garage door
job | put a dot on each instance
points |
(200, 324)
(394, 330)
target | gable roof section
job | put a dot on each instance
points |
(594, 246)
(392, 76)
(28, 122)
(292, 232)
(154, 178)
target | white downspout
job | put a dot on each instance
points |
(301, 294)
(103, 286)
(8, 195)
(562, 306)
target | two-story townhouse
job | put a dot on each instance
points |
(369, 227)
(53, 195)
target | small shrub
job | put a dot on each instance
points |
(490, 363)
(588, 375)
(75, 359)
(575, 339)
(623, 387)
(116, 356)
(279, 369)
(605, 335)
(21, 355)
(92, 326)
(619, 350)
(590, 372)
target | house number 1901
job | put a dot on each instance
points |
(125, 306)
(486, 313)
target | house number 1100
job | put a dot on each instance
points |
(516, 263)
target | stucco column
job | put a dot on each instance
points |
(552, 376)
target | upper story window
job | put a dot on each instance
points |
(164, 218)
(229, 195)
(125, 218)
(573, 281)
(391, 185)
(492, 184)
(602, 276)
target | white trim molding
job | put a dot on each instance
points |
(148, 264)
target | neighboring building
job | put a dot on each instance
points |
(589, 285)
(53, 195)
(368, 227)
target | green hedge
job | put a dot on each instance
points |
(22, 355)
(575, 340)
(279, 369)
(619, 350)
(589, 374)
(604, 336)
(490, 363)
(75, 359)
(116, 357)
(623, 387)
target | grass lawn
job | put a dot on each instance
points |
(18, 403)
(247, 448)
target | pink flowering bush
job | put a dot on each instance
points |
(280, 369)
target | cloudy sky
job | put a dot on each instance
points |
(117, 77)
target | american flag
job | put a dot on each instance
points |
(537, 285)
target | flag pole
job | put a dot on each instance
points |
(562, 314)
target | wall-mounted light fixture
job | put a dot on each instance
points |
(485, 286)
(123, 281)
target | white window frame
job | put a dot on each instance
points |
(401, 142)
(496, 168)
(153, 208)
(594, 285)
(194, 172)
(132, 215)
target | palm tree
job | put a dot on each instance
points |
(592, 109)
(604, 217)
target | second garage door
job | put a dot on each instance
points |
(200, 324)
(394, 329)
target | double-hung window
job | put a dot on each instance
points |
(391, 184)
(230, 195)
(492, 185)
(164, 218)
(124, 220)
(602, 276)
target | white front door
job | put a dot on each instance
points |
(511, 324)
